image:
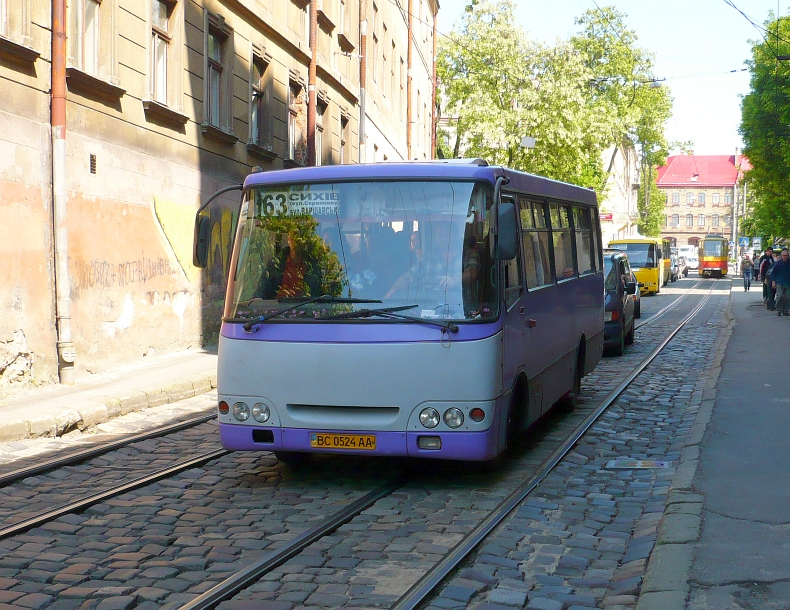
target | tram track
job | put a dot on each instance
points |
(427, 584)
(76, 457)
(434, 576)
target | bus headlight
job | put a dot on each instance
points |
(261, 412)
(429, 417)
(241, 411)
(453, 418)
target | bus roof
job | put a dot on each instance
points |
(449, 169)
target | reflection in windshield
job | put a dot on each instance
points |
(610, 273)
(424, 243)
(713, 248)
(639, 255)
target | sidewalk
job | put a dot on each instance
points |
(56, 410)
(724, 539)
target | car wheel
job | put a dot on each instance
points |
(629, 338)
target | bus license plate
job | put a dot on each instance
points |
(342, 441)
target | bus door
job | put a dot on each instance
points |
(540, 308)
(515, 347)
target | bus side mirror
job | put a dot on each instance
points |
(200, 241)
(507, 232)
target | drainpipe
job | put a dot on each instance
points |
(408, 80)
(311, 92)
(66, 352)
(363, 68)
(434, 113)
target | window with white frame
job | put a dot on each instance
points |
(675, 198)
(715, 198)
(345, 157)
(689, 220)
(701, 198)
(161, 12)
(85, 33)
(675, 220)
(701, 220)
(218, 74)
(689, 197)
(261, 132)
(320, 111)
(727, 198)
(715, 220)
(297, 123)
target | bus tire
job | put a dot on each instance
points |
(292, 458)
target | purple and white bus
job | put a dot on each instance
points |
(428, 310)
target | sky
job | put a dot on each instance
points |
(699, 47)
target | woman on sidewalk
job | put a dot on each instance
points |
(746, 271)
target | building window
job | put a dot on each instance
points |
(260, 103)
(217, 100)
(701, 198)
(727, 221)
(160, 41)
(689, 197)
(320, 112)
(715, 220)
(701, 220)
(344, 140)
(715, 198)
(689, 220)
(675, 198)
(727, 198)
(297, 123)
(675, 220)
(666, 221)
(85, 35)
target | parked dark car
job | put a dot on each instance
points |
(619, 320)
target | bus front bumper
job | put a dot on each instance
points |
(467, 446)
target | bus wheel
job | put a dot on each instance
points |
(292, 458)
(517, 415)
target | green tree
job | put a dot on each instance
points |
(765, 127)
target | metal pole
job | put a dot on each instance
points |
(66, 352)
(434, 114)
(363, 67)
(311, 79)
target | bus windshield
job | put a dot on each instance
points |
(420, 247)
(639, 255)
(713, 248)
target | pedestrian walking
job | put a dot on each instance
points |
(780, 277)
(766, 262)
(746, 271)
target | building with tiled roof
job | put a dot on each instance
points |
(700, 191)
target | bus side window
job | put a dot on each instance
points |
(561, 236)
(535, 244)
(513, 277)
(584, 244)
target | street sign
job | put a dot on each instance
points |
(757, 242)
(743, 242)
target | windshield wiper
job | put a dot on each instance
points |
(324, 298)
(390, 312)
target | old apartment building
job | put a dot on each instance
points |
(700, 191)
(164, 102)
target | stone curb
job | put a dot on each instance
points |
(666, 586)
(99, 410)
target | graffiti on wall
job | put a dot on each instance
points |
(102, 274)
(177, 222)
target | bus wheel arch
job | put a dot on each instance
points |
(567, 402)
(518, 411)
